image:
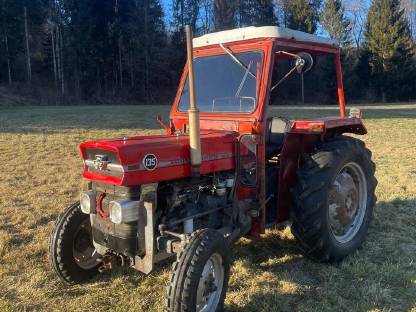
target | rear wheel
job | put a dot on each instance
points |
(71, 250)
(334, 199)
(199, 277)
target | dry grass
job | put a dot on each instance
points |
(40, 175)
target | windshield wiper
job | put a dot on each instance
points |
(243, 81)
(235, 59)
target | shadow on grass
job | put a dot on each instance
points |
(384, 263)
(279, 258)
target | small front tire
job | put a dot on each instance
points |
(199, 278)
(71, 251)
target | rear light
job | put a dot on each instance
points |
(124, 211)
(88, 202)
(317, 128)
(356, 113)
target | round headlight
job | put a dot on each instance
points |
(88, 203)
(116, 214)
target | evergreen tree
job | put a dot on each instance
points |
(390, 50)
(185, 12)
(256, 13)
(335, 22)
(224, 14)
(265, 13)
(302, 15)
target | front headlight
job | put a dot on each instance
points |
(124, 212)
(88, 202)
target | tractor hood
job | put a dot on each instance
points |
(151, 159)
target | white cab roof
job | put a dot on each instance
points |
(259, 32)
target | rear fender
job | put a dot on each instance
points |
(329, 126)
(302, 138)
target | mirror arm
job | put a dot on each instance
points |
(284, 78)
(164, 126)
(300, 63)
(290, 54)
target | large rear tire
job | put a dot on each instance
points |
(334, 199)
(71, 251)
(199, 277)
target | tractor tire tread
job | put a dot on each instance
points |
(180, 290)
(57, 260)
(310, 199)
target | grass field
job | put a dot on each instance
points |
(40, 172)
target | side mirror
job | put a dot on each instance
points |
(304, 62)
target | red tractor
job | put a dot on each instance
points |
(224, 169)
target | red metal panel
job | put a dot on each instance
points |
(329, 125)
(307, 46)
(340, 84)
(172, 153)
(264, 45)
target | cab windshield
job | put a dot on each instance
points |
(225, 83)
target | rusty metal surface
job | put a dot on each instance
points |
(146, 228)
(343, 199)
(347, 202)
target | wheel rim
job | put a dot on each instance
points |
(210, 284)
(347, 202)
(83, 249)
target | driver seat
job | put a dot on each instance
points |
(276, 130)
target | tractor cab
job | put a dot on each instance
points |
(235, 78)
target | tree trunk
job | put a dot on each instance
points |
(115, 76)
(146, 51)
(98, 77)
(55, 69)
(58, 58)
(130, 59)
(61, 44)
(9, 70)
(77, 78)
(28, 61)
(120, 62)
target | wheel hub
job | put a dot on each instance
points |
(210, 285)
(347, 202)
(343, 202)
(83, 250)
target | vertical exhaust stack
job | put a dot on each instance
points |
(194, 126)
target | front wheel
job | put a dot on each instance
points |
(71, 250)
(199, 277)
(334, 199)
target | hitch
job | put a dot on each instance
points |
(110, 261)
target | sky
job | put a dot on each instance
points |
(167, 7)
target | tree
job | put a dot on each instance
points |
(207, 20)
(5, 38)
(302, 15)
(224, 14)
(265, 13)
(185, 12)
(256, 13)
(333, 20)
(390, 50)
(410, 8)
(357, 10)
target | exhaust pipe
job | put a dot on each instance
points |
(193, 112)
